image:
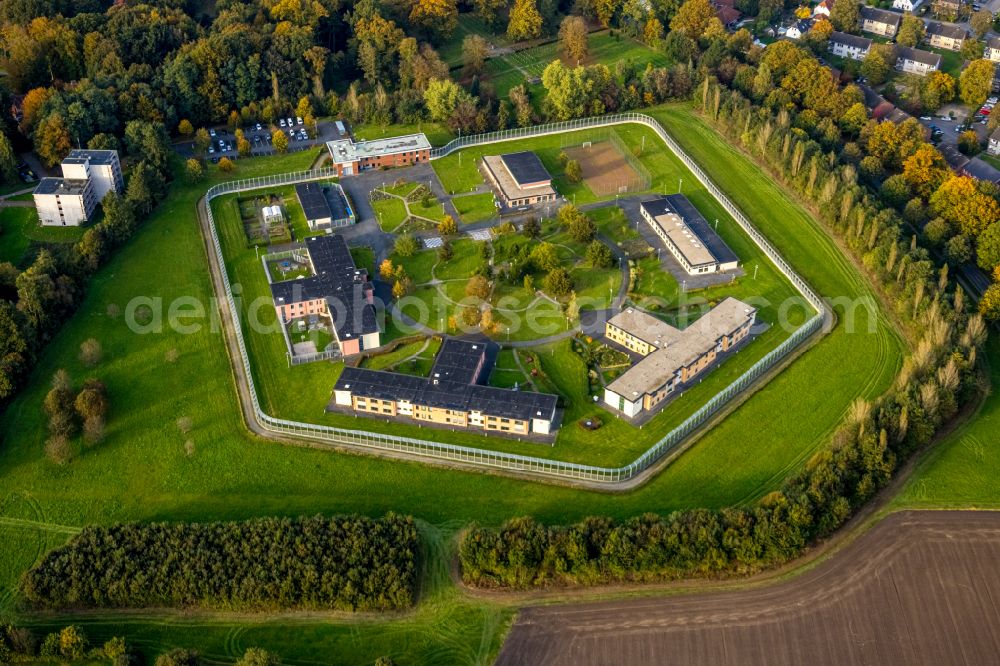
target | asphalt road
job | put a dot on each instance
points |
(918, 588)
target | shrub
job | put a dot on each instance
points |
(91, 352)
(574, 173)
(58, 449)
(558, 283)
(406, 245)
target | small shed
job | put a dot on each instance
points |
(272, 215)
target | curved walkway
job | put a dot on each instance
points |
(918, 588)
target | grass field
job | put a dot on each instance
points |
(141, 471)
(390, 212)
(19, 229)
(437, 133)
(475, 207)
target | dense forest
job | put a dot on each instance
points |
(343, 563)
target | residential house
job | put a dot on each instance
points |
(350, 157)
(797, 30)
(849, 46)
(727, 12)
(450, 397)
(915, 61)
(906, 5)
(823, 8)
(992, 50)
(949, 36)
(994, 146)
(979, 169)
(687, 235)
(880, 21)
(671, 358)
(949, 8)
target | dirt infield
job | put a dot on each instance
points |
(919, 588)
(605, 168)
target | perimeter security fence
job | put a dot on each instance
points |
(485, 458)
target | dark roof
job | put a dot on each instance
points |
(525, 168)
(993, 42)
(62, 186)
(946, 30)
(447, 394)
(313, 201)
(977, 168)
(872, 98)
(879, 15)
(459, 361)
(700, 226)
(728, 15)
(103, 157)
(339, 281)
(850, 40)
(339, 205)
(955, 159)
(916, 55)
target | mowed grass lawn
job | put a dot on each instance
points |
(19, 229)
(141, 472)
(475, 207)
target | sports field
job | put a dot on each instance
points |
(605, 168)
(142, 472)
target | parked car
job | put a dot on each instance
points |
(946, 118)
(258, 127)
(282, 122)
(291, 123)
(211, 149)
(211, 132)
(298, 120)
(926, 118)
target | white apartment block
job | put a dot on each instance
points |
(64, 202)
(88, 175)
(849, 46)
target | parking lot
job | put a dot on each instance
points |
(260, 137)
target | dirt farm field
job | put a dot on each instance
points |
(605, 169)
(919, 588)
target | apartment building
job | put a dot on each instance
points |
(687, 235)
(671, 357)
(101, 167)
(915, 61)
(945, 35)
(87, 175)
(519, 179)
(337, 289)
(879, 21)
(350, 157)
(450, 397)
(849, 46)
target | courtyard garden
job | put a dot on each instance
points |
(406, 206)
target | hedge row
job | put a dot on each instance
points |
(344, 563)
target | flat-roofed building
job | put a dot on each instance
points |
(350, 157)
(520, 179)
(324, 205)
(677, 356)
(451, 396)
(879, 21)
(945, 35)
(639, 331)
(101, 167)
(337, 289)
(915, 61)
(687, 235)
(849, 46)
(65, 202)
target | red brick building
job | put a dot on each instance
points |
(350, 157)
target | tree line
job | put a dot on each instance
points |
(345, 563)
(814, 137)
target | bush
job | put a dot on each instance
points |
(90, 352)
(406, 245)
(343, 563)
(558, 283)
(599, 255)
(574, 173)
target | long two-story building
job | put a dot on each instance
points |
(351, 157)
(949, 36)
(671, 357)
(450, 397)
(916, 61)
(879, 21)
(850, 46)
(337, 289)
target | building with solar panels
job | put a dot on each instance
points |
(688, 236)
(450, 397)
(338, 290)
(520, 179)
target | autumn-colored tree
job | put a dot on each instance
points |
(803, 12)
(443, 97)
(854, 119)
(652, 32)
(573, 38)
(202, 140)
(846, 15)
(52, 139)
(976, 82)
(911, 31)
(243, 145)
(544, 256)
(878, 63)
(31, 107)
(474, 53)
(525, 21)
(447, 226)
(938, 89)
(478, 287)
(386, 269)
(820, 31)
(961, 201)
(968, 142)
(988, 249)
(490, 10)
(604, 10)
(226, 165)
(693, 18)
(574, 173)
(981, 22)
(925, 170)
(437, 18)
(193, 170)
(558, 283)
(185, 128)
(279, 140)
(989, 304)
